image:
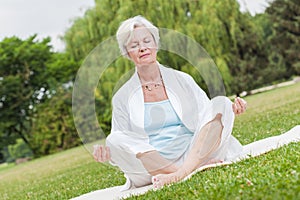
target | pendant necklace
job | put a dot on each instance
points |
(153, 85)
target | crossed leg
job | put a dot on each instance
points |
(206, 143)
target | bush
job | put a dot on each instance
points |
(18, 150)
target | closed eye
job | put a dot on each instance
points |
(133, 45)
(147, 40)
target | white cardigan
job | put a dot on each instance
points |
(190, 102)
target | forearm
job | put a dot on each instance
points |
(155, 163)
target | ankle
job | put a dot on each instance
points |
(181, 173)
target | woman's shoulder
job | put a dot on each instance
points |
(175, 72)
(124, 87)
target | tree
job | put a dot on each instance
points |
(284, 15)
(23, 79)
(53, 128)
(248, 55)
(29, 75)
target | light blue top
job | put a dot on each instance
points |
(166, 132)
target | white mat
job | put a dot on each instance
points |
(251, 150)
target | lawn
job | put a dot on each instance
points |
(275, 175)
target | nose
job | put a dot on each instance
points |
(142, 47)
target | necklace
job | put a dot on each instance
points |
(152, 85)
(149, 87)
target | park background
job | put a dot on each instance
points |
(36, 82)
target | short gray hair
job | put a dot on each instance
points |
(124, 33)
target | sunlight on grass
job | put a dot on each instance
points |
(272, 176)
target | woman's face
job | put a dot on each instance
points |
(142, 48)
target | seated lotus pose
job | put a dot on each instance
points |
(163, 124)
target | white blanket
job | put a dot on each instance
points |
(251, 150)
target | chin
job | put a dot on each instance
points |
(147, 62)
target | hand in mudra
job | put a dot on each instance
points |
(239, 106)
(101, 153)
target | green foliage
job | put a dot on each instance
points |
(53, 127)
(61, 69)
(248, 55)
(284, 15)
(18, 150)
(23, 75)
(29, 76)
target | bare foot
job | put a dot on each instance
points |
(161, 180)
(214, 161)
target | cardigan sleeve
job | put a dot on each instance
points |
(120, 116)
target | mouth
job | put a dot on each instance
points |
(144, 55)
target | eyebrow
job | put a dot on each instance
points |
(147, 37)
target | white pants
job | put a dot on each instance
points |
(133, 168)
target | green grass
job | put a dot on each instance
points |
(59, 176)
(271, 176)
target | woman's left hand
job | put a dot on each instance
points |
(239, 106)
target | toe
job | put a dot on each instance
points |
(154, 179)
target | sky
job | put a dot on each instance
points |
(53, 17)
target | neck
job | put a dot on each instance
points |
(148, 73)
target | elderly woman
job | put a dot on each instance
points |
(163, 124)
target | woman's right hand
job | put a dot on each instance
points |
(101, 153)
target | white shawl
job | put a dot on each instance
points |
(189, 101)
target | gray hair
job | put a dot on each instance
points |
(125, 30)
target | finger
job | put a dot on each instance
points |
(107, 153)
(95, 153)
(103, 155)
(238, 106)
(94, 150)
(242, 103)
(234, 108)
(100, 150)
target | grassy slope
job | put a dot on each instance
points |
(271, 176)
(59, 176)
